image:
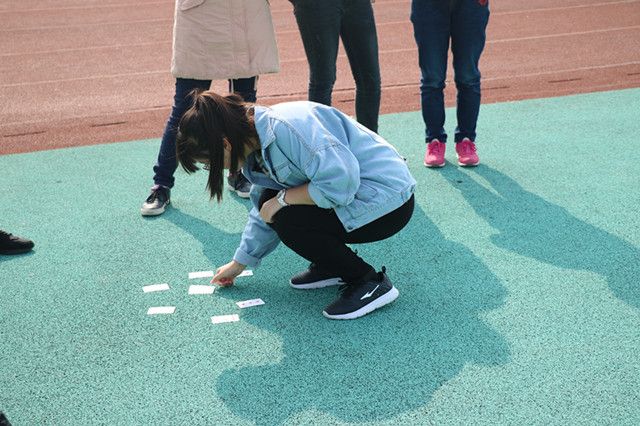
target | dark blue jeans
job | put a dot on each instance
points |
(167, 163)
(322, 23)
(318, 235)
(464, 22)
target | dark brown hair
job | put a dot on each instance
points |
(202, 131)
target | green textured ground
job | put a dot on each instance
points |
(519, 304)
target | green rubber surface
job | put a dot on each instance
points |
(519, 289)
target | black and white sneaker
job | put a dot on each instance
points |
(157, 202)
(239, 184)
(314, 277)
(359, 299)
(12, 244)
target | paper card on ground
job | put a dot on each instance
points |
(247, 273)
(250, 303)
(201, 289)
(161, 310)
(225, 318)
(200, 274)
(155, 287)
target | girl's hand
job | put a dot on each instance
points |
(269, 209)
(227, 273)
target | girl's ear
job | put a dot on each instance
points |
(227, 145)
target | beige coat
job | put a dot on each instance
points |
(221, 39)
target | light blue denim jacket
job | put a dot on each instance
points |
(349, 169)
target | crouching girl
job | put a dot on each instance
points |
(320, 181)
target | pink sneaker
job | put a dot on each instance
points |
(434, 157)
(466, 150)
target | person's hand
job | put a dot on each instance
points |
(269, 209)
(227, 273)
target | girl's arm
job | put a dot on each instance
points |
(298, 195)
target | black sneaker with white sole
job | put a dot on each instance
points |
(358, 299)
(239, 184)
(157, 201)
(314, 277)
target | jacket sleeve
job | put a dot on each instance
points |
(331, 168)
(258, 239)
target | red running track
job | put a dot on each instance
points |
(79, 72)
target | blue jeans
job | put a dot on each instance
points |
(167, 163)
(464, 22)
(322, 23)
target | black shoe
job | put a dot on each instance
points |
(314, 277)
(239, 184)
(156, 202)
(3, 420)
(358, 299)
(10, 244)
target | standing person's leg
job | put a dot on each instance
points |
(167, 163)
(468, 35)
(247, 88)
(358, 32)
(431, 30)
(317, 235)
(319, 26)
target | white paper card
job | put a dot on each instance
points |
(225, 318)
(155, 287)
(201, 289)
(250, 303)
(161, 310)
(247, 273)
(200, 274)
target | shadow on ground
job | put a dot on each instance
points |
(352, 370)
(533, 227)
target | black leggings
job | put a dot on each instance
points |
(318, 235)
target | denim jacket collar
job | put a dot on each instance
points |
(266, 137)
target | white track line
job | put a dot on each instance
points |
(101, 6)
(594, 67)
(93, 25)
(81, 49)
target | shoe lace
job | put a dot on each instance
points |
(157, 193)
(468, 147)
(346, 290)
(242, 182)
(434, 148)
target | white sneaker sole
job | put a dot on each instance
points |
(317, 284)
(387, 298)
(467, 165)
(434, 165)
(153, 212)
(238, 193)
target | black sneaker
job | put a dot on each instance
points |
(314, 277)
(3, 420)
(359, 299)
(239, 184)
(156, 202)
(10, 244)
